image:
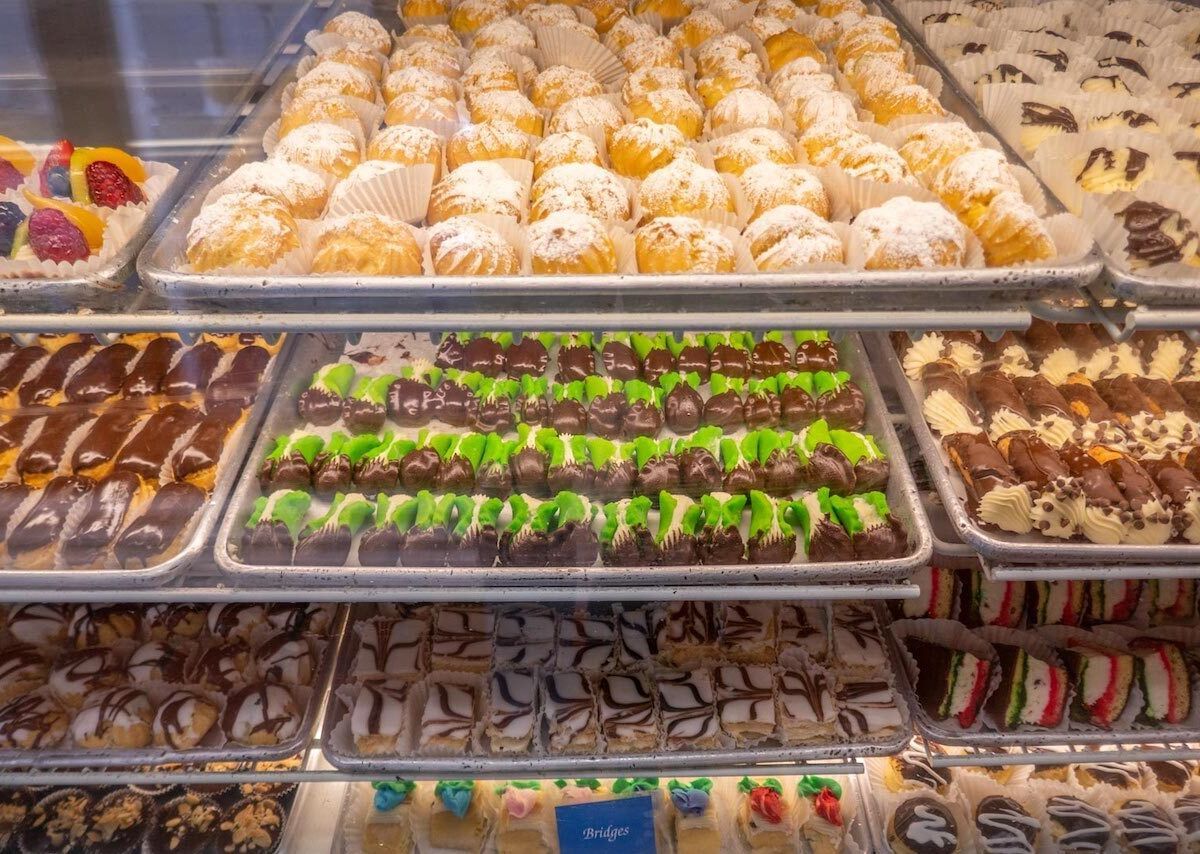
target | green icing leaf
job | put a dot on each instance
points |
(335, 379)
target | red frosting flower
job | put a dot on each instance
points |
(828, 807)
(767, 803)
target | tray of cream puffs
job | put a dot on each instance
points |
(1058, 444)
(1104, 105)
(564, 149)
(116, 459)
(528, 688)
(562, 458)
(134, 685)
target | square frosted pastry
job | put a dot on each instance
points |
(511, 710)
(746, 701)
(866, 708)
(524, 636)
(628, 717)
(569, 707)
(640, 633)
(585, 643)
(687, 704)
(691, 633)
(748, 631)
(463, 639)
(857, 644)
(379, 717)
(805, 628)
(451, 714)
(806, 709)
(394, 648)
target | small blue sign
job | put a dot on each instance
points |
(620, 824)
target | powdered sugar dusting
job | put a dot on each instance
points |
(752, 144)
(684, 185)
(790, 236)
(480, 187)
(746, 108)
(318, 143)
(702, 244)
(360, 28)
(509, 33)
(903, 227)
(566, 147)
(285, 181)
(415, 79)
(468, 246)
(582, 187)
(592, 111)
(337, 78)
(408, 142)
(977, 176)
(565, 235)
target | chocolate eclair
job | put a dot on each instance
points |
(103, 375)
(158, 532)
(42, 457)
(12, 499)
(13, 434)
(146, 453)
(191, 373)
(32, 542)
(116, 499)
(19, 365)
(46, 388)
(239, 385)
(145, 379)
(96, 452)
(196, 461)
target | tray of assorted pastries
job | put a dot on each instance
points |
(128, 685)
(1059, 444)
(73, 218)
(1104, 107)
(574, 458)
(116, 460)
(529, 689)
(582, 148)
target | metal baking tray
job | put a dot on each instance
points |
(202, 527)
(586, 765)
(160, 264)
(996, 544)
(940, 733)
(313, 351)
(48, 758)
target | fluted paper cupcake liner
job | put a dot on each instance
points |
(1184, 636)
(942, 38)
(401, 194)
(1109, 798)
(1166, 114)
(1101, 215)
(563, 47)
(1001, 104)
(120, 225)
(919, 13)
(970, 70)
(1059, 160)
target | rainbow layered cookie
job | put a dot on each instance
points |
(950, 682)
(1102, 678)
(1054, 603)
(992, 603)
(939, 591)
(1162, 674)
(1032, 692)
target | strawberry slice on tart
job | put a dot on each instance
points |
(15, 164)
(106, 177)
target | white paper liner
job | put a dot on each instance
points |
(401, 194)
(1058, 160)
(1186, 637)
(1061, 636)
(970, 69)
(342, 737)
(954, 635)
(1039, 648)
(944, 38)
(1001, 103)
(563, 47)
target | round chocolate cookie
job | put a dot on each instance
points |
(1076, 825)
(923, 825)
(1005, 825)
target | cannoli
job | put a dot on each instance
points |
(531, 405)
(382, 540)
(779, 464)
(378, 467)
(797, 409)
(875, 534)
(529, 459)
(916, 354)
(460, 455)
(1053, 418)
(239, 385)
(839, 400)
(46, 387)
(625, 539)
(700, 469)
(321, 402)
(739, 461)
(573, 542)
(1180, 428)
(1056, 360)
(947, 405)
(19, 366)
(993, 487)
(605, 406)
(675, 540)
(1152, 522)
(567, 412)
(643, 411)
(719, 537)
(771, 538)
(526, 539)
(683, 407)
(871, 467)
(495, 406)
(691, 355)
(42, 457)
(196, 462)
(1165, 354)
(655, 355)
(1140, 416)
(1094, 357)
(420, 466)
(427, 539)
(1097, 421)
(474, 540)
(191, 373)
(1008, 355)
(576, 359)
(1057, 505)
(97, 451)
(269, 536)
(1182, 487)
(450, 350)
(326, 540)
(159, 532)
(825, 540)
(1001, 403)
(365, 409)
(657, 467)
(763, 405)
(724, 407)
(815, 351)
(115, 499)
(493, 475)
(146, 453)
(569, 466)
(101, 378)
(288, 465)
(824, 464)
(618, 357)
(31, 543)
(528, 357)
(333, 469)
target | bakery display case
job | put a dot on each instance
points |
(720, 423)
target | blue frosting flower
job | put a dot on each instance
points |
(690, 801)
(458, 801)
(390, 795)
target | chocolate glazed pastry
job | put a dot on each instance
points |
(657, 467)
(493, 476)
(615, 469)
(269, 537)
(450, 352)
(43, 525)
(700, 469)
(769, 356)
(102, 376)
(719, 541)
(108, 507)
(157, 530)
(531, 404)
(692, 358)
(797, 409)
(239, 385)
(103, 440)
(618, 357)
(781, 467)
(527, 357)
(40, 458)
(145, 380)
(365, 410)
(643, 414)
(576, 360)
(474, 540)
(683, 407)
(192, 372)
(1156, 234)
(408, 402)
(145, 454)
(606, 407)
(289, 464)
(378, 546)
(419, 468)
(483, 355)
(20, 362)
(729, 355)
(724, 406)
(528, 460)
(12, 496)
(495, 410)
(839, 400)
(321, 402)
(39, 390)
(762, 406)
(573, 542)
(739, 459)
(656, 357)
(815, 352)
(570, 466)
(567, 413)
(452, 403)
(196, 462)
(427, 541)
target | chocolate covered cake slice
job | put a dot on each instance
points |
(1102, 678)
(951, 683)
(1031, 691)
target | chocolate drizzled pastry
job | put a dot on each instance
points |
(1034, 113)
(1004, 824)
(576, 359)
(1190, 161)
(484, 354)
(527, 357)
(159, 529)
(923, 825)
(449, 352)
(618, 357)
(192, 372)
(769, 356)
(691, 356)
(239, 385)
(1005, 72)
(20, 362)
(103, 440)
(1077, 825)
(1057, 58)
(839, 400)
(41, 458)
(724, 407)
(1125, 62)
(42, 527)
(49, 381)
(1130, 161)
(1156, 234)
(625, 539)
(1032, 459)
(109, 506)
(683, 407)
(146, 378)
(103, 375)
(729, 354)
(146, 453)
(365, 410)
(326, 540)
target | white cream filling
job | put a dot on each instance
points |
(1006, 421)
(1166, 363)
(1158, 684)
(947, 415)
(1103, 525)
(1055, 430)
(924, 351)
(1059, 365)
(1037, 690)
(1098, 365)
(1098, 673)
(1055, 516)
(966, 357)
(1008, 508)
(1015, 362)
(1191, 514)
(1125, 360)
(1151, 533)
(962, 693)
